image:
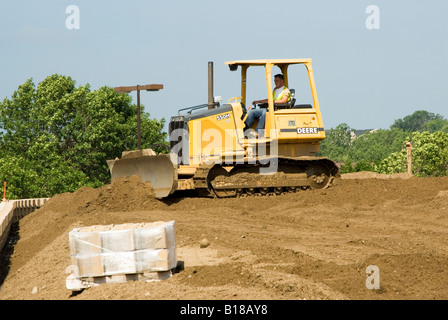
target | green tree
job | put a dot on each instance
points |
(375, 146)
(20, 177)
(436, 125)
(415, 121)
(429, 156)
(57, 137)
(394, 163)
(16, 129)
(337, 143)
(360, 153)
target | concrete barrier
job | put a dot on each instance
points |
(6, 217)
(23, 207)
(14, 210)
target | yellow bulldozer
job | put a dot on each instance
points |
(212, 153)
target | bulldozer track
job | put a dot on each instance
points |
(268, 192)
(201, 183)
(244, 180)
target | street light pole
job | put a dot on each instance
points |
(148, 87)
(139, 139)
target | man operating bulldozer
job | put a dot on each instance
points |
(281, 94)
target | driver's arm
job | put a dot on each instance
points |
(259, 101)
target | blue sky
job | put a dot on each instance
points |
(365, 78)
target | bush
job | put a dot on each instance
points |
(429, 156)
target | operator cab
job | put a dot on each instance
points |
(291, 120)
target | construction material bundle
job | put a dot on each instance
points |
(137, 248)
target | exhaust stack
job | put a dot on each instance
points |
(211, 102)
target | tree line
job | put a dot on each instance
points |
(56, 137)
(384, 151)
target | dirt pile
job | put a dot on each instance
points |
(307, 245)
(375, 175)
(125, 194)
(84, 207)
(441, 200)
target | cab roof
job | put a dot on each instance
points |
(261, 62)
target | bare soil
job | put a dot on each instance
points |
(307, 245)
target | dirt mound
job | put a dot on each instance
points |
(84, 207)
(374, 175)
(124, 194)
(313, 244)
(441, 200)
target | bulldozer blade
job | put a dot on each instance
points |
(159, 170)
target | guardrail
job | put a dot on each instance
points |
(14, 210)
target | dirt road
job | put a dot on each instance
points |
(306, 245)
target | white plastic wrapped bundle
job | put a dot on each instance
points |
(123, 249)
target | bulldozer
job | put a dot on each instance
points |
(212, 153)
